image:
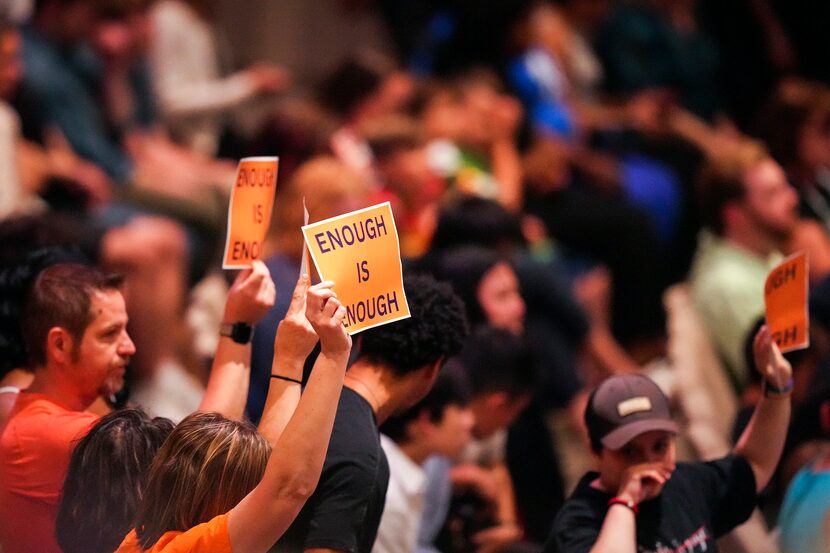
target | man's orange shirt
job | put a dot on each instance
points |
(208, 537)
(34, 455)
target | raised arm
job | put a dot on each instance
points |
(293, 470)
(762, 442)
(249, 299)
(294, 341)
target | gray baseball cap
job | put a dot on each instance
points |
(623, 407)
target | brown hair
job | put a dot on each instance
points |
(206, 466)
(794, 104)
(106, 479)
(61, 296)
(391, 135)
(722, 180)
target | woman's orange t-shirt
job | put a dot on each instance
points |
(208, 537)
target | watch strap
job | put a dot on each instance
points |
(239, 332)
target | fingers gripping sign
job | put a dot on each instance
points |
(251, 295)
(769, 361)
(325, 313)
(295, 337)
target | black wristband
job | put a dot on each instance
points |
(288, 378)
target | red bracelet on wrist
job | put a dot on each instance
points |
(625, 503)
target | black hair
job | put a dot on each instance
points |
(476, 221)
(435, 330)
(464, 268)
(106, 479)
(352, 82)
(448, 390)
(494, 360)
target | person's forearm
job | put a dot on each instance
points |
(227, 388)
(295, 463)
(507, 169)
(506, 499)
(610, 356)
(762, 442)
(180, 98)
(306, 436)
(618, 533)
(283, 397)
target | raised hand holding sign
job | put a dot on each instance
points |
(360, 253)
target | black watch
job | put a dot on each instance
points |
(241, 333)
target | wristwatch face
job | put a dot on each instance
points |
(241, 333)
(238, 332)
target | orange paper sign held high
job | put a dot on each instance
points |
(785, 297)
(249, 212)
(360, 253)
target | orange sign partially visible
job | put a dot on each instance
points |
(785, 297)
(249, 212)
(360, 253)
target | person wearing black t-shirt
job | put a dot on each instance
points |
(641, 501)
(396, 365)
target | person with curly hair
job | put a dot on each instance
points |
(396, 365)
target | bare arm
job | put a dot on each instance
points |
(293, 470)
(618, 533)
(295, 340)
(504, 155)
(762, 442)
(250, 297)
(507, 530)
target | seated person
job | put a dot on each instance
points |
(495, 367)
(440, 424)
(218, 485)
(74, 327)
(395, 367)
(641, 499)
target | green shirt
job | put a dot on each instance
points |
(727, 284)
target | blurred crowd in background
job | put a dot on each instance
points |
(606, 185)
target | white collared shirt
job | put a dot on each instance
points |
(398, 531)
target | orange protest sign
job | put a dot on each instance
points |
(360, 253)
(785, 298)
(249, 211)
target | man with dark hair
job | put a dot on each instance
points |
(496, 368)
(74, 326)
(396, 366)
(439, 424)
(750, 213)
(54, 73)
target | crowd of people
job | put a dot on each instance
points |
(589, 195)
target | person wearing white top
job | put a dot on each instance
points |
(192, 93)
(440, 424)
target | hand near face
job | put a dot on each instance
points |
(644, 481)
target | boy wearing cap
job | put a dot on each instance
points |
(641, 501)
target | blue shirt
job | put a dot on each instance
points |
(437, 496)
(804, 512)
(64, 89)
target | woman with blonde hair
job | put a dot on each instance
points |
(216, 484)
